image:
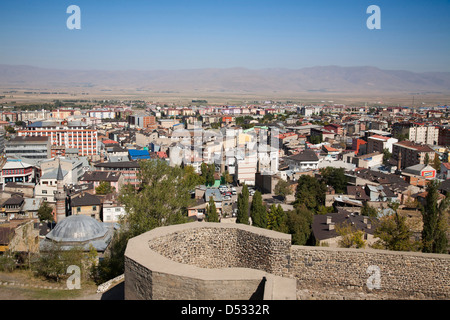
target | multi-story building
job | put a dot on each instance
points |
(17, 171)
(76, 167)
(29, 147)
(68, 134)
(28, 115)
(245, 169)
(304, 161)
(61, 113)
(424, 134)
(112, 212)
(408, 153)
(142, 121)
(417, 132)
(336, 128)
(48, 184)
(309, 110)
(378, 143)
(444, 136)
(129, 170)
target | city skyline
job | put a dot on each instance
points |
(117, 35)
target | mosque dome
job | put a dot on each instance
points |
(78, 228)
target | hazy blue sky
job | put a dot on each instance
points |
(255, 34)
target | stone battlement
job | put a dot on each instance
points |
(201, 260)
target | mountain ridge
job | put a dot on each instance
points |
(353, 79)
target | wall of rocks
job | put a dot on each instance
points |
(226, 247)
(205, 261)
(227, 261)
(401, 274)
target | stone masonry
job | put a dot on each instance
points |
(202, 260)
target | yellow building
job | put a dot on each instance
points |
(87, 205)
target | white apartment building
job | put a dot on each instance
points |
(112, 212)
(46, 188)
(424, 134)
(309, 110)
(245, 169)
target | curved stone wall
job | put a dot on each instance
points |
(201, 260)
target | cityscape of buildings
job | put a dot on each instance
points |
(62, 157)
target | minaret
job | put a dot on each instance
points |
(60, 195)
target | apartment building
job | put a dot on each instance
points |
(63, 133)
(28, 147)
(142, 121)
(245, 169)
(444, 136)
(417, 132)
(377, 143)
(17, 171)
(408, 153)
(424, 134)
(128, 169)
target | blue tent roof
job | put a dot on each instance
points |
(139, 154)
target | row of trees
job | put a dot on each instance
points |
(296, 222)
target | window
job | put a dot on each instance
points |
(78, 209)
(94, 208)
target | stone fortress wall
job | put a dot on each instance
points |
(201, 260)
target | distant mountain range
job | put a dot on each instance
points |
(325, 79)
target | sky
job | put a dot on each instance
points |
(253, 34)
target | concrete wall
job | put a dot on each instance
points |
(203, 260)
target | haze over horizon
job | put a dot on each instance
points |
(250, 34)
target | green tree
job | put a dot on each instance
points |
(310, 192)
(386, 156)
(437, 163)
(335, 177)
(104, 188)
(191, 178)
(434, 216)
(211, 212)
(427, 159)
(210, 180)
(299, 222)
(258, 211)
(277, 219)
(350, 237)
(53, 263)
(45, 212)
(368, 210)
(282, 189)
(315, 139)
(207, 173)
(161, 199)
(242, 206)
(226, 178)
(394, 233)
(112, 264)
(10, 129)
